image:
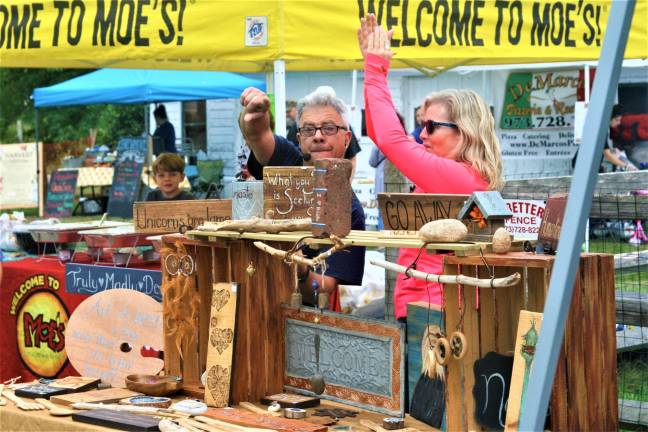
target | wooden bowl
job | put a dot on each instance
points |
(154, 385)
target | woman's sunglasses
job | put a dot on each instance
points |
(431, 125)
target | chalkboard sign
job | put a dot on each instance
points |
(131, 153)
(60, 193)
(288, 192)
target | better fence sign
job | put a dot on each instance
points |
(526, 219)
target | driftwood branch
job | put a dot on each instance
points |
(271, 226)
(299, 259)
(450, 279)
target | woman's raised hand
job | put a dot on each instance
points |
(373, 39)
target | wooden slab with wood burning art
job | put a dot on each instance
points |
(220, 350)
(168, 216)
(525, 347)
(333, 197)
(115, 333)
(362, 361)
(551, 224)
(288, 192)
(407, 213)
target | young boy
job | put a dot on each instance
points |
(168, 171)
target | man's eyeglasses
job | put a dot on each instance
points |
(431, 125)
(327, 129)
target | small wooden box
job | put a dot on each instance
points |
(584, 394)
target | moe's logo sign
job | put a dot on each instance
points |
(41, 319)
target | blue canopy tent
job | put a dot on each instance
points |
(126, 86)
(131, 86)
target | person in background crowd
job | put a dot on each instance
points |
(323, 132)
(168, 171)
(613, 159)
(291, 116)
(164, 136)
(460, 152)
(416, 133)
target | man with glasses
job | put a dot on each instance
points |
(323, 132)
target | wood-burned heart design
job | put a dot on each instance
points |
(218, 382)
(221, 338)
(220, 299)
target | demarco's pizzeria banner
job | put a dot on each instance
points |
(247, 36)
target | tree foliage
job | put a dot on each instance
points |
(59, 123)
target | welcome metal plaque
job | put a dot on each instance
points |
(361, 360)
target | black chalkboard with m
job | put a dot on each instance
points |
(131, 153)
(60, 193)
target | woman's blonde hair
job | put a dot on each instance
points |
(479, 145)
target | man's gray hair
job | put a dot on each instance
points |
(323, 96)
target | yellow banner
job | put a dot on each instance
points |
(248, 35)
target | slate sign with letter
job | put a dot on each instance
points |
(60, 193)
(409, 212)
(91, 279)
(126, 179)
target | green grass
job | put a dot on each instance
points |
(614, 246)
(632, 373)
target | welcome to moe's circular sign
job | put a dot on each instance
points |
(41, 319)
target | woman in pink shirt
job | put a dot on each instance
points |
(460, 152)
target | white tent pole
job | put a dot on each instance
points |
(354, 89)
(587, 84)
(280, 97)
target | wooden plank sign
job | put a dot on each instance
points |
(169, 216)
(551, 224)
(115, 333)
(288, 192)
(361, 360)
(60, 193)
(525, 345)
(220, 350)
(333, 197)
(409, 212)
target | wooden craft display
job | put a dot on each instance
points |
(168, 216)
(263, 285)
(288, 192)
(220, 350)
(333, 196)
(583, 398)
(409, 212)
(108, 332)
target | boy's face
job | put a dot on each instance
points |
(169, 181)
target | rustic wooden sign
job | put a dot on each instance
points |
(528, 332)
(361, 360)
(409, 212)
(552, 220)
(333, 196)
(114, 333)
(169, 216)
(288, 192)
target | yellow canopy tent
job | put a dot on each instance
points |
(247, 36)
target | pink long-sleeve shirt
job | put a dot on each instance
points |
(430, 173)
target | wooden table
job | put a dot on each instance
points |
(13, 419)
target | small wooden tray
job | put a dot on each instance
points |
(94, 396)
